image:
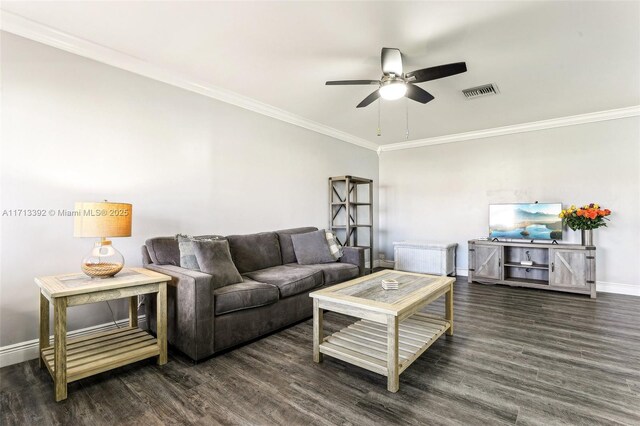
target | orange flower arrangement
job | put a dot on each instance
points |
(589, 216)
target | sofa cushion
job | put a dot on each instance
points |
(290, 279)
(255, 251)
(163, 250)
(214, 258)
(245, 295)
(187, 249)
(333, 272)
(286, 245)
(312, 248)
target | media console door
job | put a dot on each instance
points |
(487, 261)
(569, 268)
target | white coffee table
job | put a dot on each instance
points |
(391, 333)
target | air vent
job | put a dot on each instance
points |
(479, 91)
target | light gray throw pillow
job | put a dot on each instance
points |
(214, 258)
(187, 254)
(312, 248)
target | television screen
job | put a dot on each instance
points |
(535, 221)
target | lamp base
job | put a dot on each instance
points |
(101, 270)
(104, 261)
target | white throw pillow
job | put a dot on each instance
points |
(334, 247)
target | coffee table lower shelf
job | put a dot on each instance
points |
(98, 352)
(364, 343)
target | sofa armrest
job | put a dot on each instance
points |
(190, 310)
(146, 258)
(355, 256)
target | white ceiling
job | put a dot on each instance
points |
(549, 59)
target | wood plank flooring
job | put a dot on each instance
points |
(519, 356)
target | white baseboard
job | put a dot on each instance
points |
(25, 351)
(618, 288)
(604, 287)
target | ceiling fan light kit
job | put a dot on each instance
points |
(393, 89)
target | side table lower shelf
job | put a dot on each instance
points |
(94, 353)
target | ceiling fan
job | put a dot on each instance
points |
(395, 84)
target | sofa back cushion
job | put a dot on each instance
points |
(163, 250)
(286, 246)
(255, 251)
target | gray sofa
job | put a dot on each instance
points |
(274, 293)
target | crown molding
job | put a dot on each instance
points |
(24, 27)
(572, 120)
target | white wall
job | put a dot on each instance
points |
(442, 192)
(78, 130)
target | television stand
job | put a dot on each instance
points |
(560, 267)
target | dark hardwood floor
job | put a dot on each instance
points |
(518, 356)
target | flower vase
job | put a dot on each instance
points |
(587, 237)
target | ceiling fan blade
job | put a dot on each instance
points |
(418, 94)
(434, 73)
(372, 97)
(346, 82)
(391, 61)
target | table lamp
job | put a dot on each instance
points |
(102, 220)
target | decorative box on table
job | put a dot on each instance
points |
(427, 257)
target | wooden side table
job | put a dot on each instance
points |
(84, 356)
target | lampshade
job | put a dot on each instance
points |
(102, 220)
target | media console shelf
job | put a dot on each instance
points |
(560, 267)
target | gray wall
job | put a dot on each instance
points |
(77, 130)
(442, 192)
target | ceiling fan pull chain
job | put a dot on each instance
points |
(379, 132)
(407, 117)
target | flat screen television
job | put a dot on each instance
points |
(530, 221)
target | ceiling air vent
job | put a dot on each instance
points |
(479, 91)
